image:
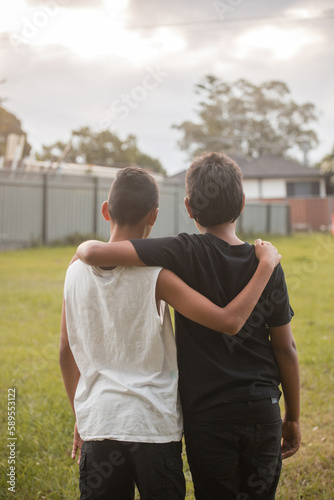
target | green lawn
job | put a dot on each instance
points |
(30, 305)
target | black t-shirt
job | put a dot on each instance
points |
(215, 368)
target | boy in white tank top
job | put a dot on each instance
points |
(118, 355)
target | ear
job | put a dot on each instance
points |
(153, 216)
(105, 211)
(188, 207)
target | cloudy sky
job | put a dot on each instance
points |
(132, 65)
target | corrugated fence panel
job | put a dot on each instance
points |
(35, 207)
(70, 207)
(21, 217)
(253, 219)
(279, 222)
(166, 224)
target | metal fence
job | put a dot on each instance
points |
(45, 208)
(312, 214)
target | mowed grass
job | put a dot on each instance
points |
(30, 306)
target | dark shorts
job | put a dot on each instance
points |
(110, 469)
(234, 450)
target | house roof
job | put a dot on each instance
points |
(276, 167)
(265, 167)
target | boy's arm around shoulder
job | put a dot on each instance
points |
(285, 352)
(99, 253)
(123, 253)
(231, 318)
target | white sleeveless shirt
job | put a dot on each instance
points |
(126, 355)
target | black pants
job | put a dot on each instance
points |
(234, 450)
(110, 469)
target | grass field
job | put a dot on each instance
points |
(30, 305)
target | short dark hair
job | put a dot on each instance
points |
(214, 189)
(132, 195)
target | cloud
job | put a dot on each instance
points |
(277, 42)
(53, 87)
(72, 4)
(159, 12)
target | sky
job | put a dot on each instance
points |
(132, 66)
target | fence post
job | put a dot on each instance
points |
(95, 210)
(288, 219)
(330, 210)
(268, 221)
(45, 210)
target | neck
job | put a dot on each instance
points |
(224, 231)
(121, 233)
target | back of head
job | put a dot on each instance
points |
(214, 189)
(132, 195)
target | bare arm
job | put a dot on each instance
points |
(68, 366)
(71, 375)
(193, 305)
(98, 253)
(285, 352)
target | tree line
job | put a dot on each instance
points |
(237, 117)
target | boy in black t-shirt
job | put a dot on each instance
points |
(229, 386)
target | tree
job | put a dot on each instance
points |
(9, 124)
(327, 163)
(100, 148)
(247, 119)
